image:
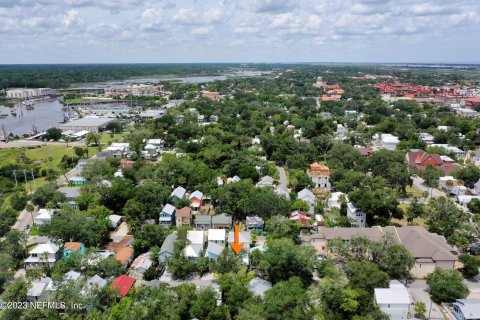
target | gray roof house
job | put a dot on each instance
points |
(167, 215)
(430, 250)
(259, 286)
(166, 250)
(254, 223)
(178, 193)
(203, 222)
(38, 288)
(466, 309)
(94, 283)
(222, 221)
(71, 193)
(265, 181)
(307, 196)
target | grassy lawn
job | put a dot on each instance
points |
(34, 231)
(116, 137)
(403, 222)
(9, 156)
(85, 100)
(414, 191)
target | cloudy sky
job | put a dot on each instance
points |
(90, 31)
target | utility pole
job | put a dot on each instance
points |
(15, 175)
(26, 181)
(33, 179)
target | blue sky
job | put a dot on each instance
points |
(89, 31)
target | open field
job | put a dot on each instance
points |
(86, 100)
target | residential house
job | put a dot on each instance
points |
(335, 200)
(201, 118)
(476, 187)
(114, 220)
(196, 199)
(140, 265)
(320, 175)
(214, 250)
(430, 250)
(364, 151)
(452, 149)
(71, 193)
(123, 284)
(213, 118)
(44, 216)
(38, 290)
(466, 309)
(426, 137)
(265, 181)
(464, 200)
(394, 301)
(341, 133)
(459, 190)
(44, 253)
(301, 217)
(233, 179)
(178, 193)
(70, 247)
(119, 149)
(258, 286)
(222, 221)
(420, 160)
(216, 236)
(123, 250)
(307, 196)
(254, 223)
(81, 164)
(71, 276)
(166, 250)
(474, 157)
(244, 237)
(219, 181)
(358, 217)
(446, 183)
(92, 285)
(385, 141)
(203, 222)
(77, 181)
(183, 217)
(212, 95)
(197, 242)
(167, 216)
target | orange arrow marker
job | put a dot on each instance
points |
(236, 246)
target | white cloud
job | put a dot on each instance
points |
(201, 30)
(151, 20)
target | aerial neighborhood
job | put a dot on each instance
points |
(300, 192)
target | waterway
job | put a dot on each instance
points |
(194, 79)
(46, 114)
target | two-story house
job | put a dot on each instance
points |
(196, 200)
(183, 217)
(44, 253)
(320, 176)
(222, 221)
(167, 216)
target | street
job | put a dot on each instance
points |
(433, 192)
(418, 290)
(282, 181)
(24, 219)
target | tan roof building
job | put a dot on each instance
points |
(430, 250)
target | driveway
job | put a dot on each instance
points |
(282, 181)
(435, 193)
(418, 290)
(24, 219)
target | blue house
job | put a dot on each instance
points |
(214, 250)
(167, 216)
(70, 247)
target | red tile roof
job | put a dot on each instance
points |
(74, 246)
(184, 212)
(123, 284)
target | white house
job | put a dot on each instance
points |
(243, 237)
(357, 217)
(474, 157)
(94, 283)
(426, 137)
(114, 220)
(334, 201)
(394, 300)
(464, 200)
(42, 254)
(44, 216)
(38, 289)
(386, 141)
(178, 193)
(307, 196)
(341, 133)
(217, 236)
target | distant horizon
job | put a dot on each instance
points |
(248, 62)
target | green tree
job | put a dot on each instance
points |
(446, 285)
(420, 309)
(92, 138)
(431, 176)
(47, 193)
(415, 210)
(469, 175)
(19, 201)
(474, 206)
(470, 265)
(283, 259)
(150, 235)
(282, 227)
(287, 300)
(53, 134)
(367, 276)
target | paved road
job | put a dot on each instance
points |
(435, 193)
(418, 290)
(24, 219)
(282, 181)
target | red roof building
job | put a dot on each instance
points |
(123, 284)
(300, 217)
(420, 160)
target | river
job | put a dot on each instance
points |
(47, 113)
